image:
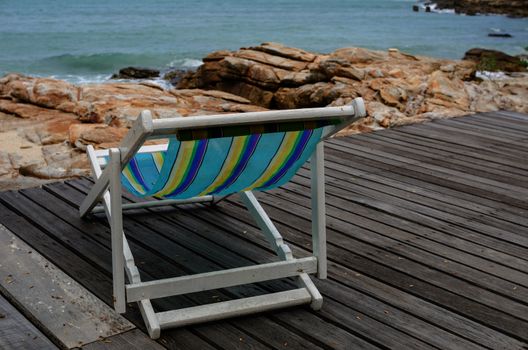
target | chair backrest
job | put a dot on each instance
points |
(223, 159)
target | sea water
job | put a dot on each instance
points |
(89, 40)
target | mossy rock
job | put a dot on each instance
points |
(494, 61)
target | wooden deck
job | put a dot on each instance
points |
(427, 245)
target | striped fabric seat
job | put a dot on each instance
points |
(220, 166)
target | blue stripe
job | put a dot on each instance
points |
(246, 156)
(196, 163)
(305, 137)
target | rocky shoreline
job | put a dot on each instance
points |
(512, 8)
(45, 124)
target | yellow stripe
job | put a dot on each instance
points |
(183, 161)
(232, 158)
(158, 160)
(132, 180)
(280, 158)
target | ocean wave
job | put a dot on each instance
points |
(99, 67)
(108, 63)
(93, 63)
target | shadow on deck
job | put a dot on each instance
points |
(427, 245)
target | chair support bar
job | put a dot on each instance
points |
(220, 279)
(232, 308)
(159, 203)
(168, 126)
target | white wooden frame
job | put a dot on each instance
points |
(107, 189)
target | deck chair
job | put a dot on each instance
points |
(206, 158)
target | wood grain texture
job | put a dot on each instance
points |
(131, 340)
(17, 332)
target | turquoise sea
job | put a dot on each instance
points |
(89, 40)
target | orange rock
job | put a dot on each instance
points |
(287, 52)
(396, 73)
(49, 93)
(81, 135)
(393, 95)
(272, 60)
(447, 92)
(272, 75)
(355, 55)
(216, 56)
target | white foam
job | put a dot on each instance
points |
(434, 9)
(164, 84)
(82, 79)
(189, 63)
(485, 75)
(105, 79)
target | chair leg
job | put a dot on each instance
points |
(305, 281)
(116, 225)
(282, 249)
(145, 306)
(266, 225)
(318, 210)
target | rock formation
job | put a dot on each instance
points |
(493, 61)
(45, 124)
(398, 88)
(514, 8)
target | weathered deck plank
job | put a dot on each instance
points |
(18, 333)
(66, 311)
(131, 340)
(427, 233)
